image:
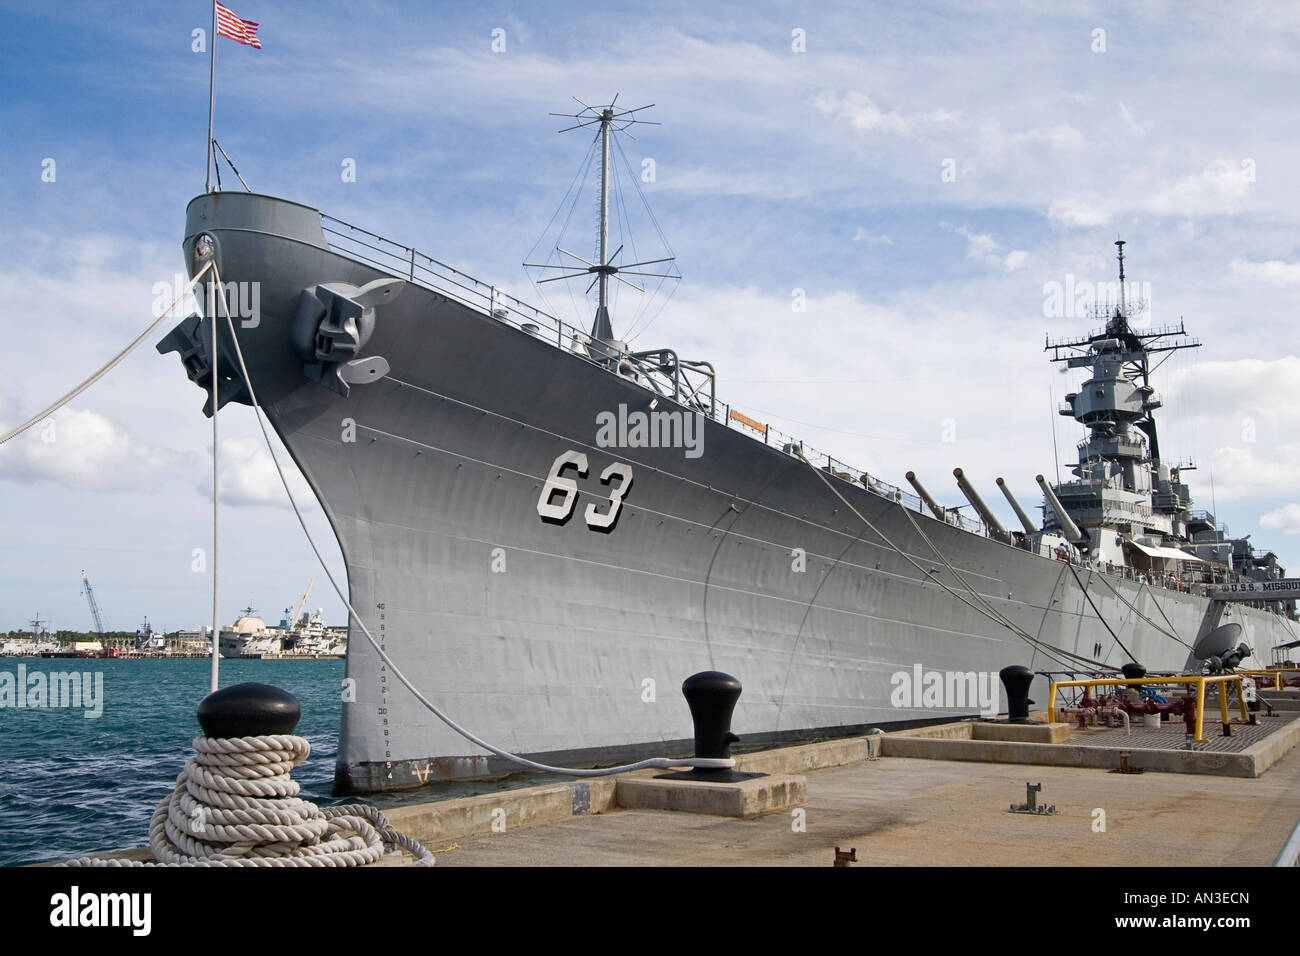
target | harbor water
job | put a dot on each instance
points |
(72, 784)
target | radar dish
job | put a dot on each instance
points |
(1218, 642)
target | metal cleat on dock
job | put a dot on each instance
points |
(1031, 802)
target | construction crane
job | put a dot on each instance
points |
(89, 594)
(301, 604)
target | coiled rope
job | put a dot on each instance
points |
(235, 804)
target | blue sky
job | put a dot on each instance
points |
(776, 170)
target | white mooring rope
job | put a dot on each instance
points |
(236, 805)
(111, 364)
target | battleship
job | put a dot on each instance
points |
(540, 526)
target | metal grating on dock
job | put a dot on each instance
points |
(1172, 735)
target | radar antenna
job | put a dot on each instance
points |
(1119, 244)
(1135, 350)
(610, 119)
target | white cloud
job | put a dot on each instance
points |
(764, 184)
(1130, 121)
(862, 235)
(984, 248)
(1015, 259)
(1249, 471)
(1073, 212)
(1241, 415)
(1285, 519)
(1222, 187)
(1275, 271)
(861, 113)
(84, 450)
(979, 245)
(248, 477)
(843, 390)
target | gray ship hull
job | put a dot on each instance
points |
(568, 641)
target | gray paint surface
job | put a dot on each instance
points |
(550, 656)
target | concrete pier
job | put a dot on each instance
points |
(930, 796)
(899, 811)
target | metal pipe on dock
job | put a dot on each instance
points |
(994, 525)
(1015, 506)
(1068, 527)
(939, 512)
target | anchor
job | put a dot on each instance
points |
(333, 323)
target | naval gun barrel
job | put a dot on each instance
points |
(994, 525)
(1015, 506)
(930, 503)
(1068, 527)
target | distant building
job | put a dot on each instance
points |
(194, 641)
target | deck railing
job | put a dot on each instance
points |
(407, 262)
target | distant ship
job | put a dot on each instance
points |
(308, 636)
(250, 637)
(305, 637)
(541, 526)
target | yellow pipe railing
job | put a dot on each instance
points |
(1273, 672)
(1276, 675)
(1200, 680)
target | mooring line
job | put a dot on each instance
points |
(110, 365)
(990, 613)
(658, 763)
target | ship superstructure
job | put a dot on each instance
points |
(1128, 506)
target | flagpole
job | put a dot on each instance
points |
(212, 316)
(212, 81)
(216, 606)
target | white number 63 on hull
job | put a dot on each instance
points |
(559, 512)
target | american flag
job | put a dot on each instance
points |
(241, 31)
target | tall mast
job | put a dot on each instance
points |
(611, 120)
(603, 329)
(1123, 308)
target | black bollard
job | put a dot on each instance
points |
(1134, 671)
(1016, 679)
(712, 697)
(249, 710)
